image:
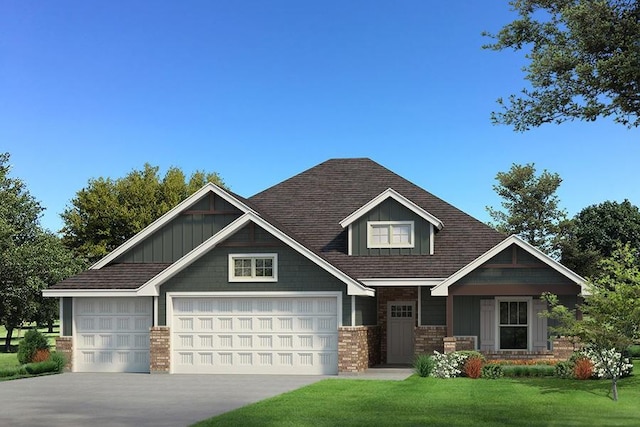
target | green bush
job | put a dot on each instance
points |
(563, 370)
(41, 367)
(492, 371)
(472, 354)
(634, 351)
(33, 341)
(423, 365)
(528, 371)
(12, 372)
(59, 359)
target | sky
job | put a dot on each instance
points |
(259, 91)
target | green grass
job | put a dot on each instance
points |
(8, 360)
(446, 402)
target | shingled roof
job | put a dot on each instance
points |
(311, 205)
(114, 276)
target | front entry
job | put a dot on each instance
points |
(400, 325)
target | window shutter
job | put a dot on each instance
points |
(487, 325)
(539, 326)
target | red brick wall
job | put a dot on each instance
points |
(160, 350)
(385, 295)
(64, 345)
(563, 347)
(429, 338)
(358, 348)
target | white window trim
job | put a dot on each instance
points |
(529, 301)
(253, 257)
(371, 224)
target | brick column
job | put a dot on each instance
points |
(64, 346)
(563, 347)
(159, 350)
(358, 348)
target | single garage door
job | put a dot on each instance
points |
(112, 334)
(261, 335)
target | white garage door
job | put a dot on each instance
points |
(267, 335)
(112, 334)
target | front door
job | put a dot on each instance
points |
(400, 325)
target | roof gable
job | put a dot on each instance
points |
(390, 193)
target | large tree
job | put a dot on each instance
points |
(595, 232)
(30, 258)
(530, 205)
(583, 61)
(108, 211)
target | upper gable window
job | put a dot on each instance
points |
(253, 267)
(390, 234)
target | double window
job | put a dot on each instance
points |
(253, 267)
(514, 324)
(390, 234)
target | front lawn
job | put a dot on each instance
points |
(445, 402)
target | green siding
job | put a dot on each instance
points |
(390, 210)
(295, 274)
(466, 315)
(366, 311)
(511, 276)
(67, 316)
(433, 309)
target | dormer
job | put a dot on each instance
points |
(391, 224)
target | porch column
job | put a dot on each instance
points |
(449, 315)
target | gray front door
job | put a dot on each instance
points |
(400, 325)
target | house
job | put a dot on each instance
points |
(344, 266)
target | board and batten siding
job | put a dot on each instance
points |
(390, 210)
(186, 231)
(295, 274)
(466, 315)
(433, 310)
(366, 311)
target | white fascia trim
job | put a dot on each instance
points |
(391, 193)
(151, 287)
(164, 219)
(57, 293)
(443, 288)
(402, 282)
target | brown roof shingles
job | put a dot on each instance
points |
(114, 276)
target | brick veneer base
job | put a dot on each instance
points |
(358, 348)
(160, 350)
(429, 338)
(64, 345)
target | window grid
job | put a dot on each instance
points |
(248, 267)
(390, 235)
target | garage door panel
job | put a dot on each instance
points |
(294, 335)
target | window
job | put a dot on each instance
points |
(514, 325)
(253, 267)
(390, 234)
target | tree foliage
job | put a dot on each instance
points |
(31, 259)
(530, 205)
(595, 232)
(107, 212)
(583, 61)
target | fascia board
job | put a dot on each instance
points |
(403, 281)
(443, 288)
(391, 193)
(166, 218)
(57, 293)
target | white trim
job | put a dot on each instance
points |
(529, 301)
(155, 311)
(61, 314)
(389, 225)
(89, 293)
(151, 287)
(443, 288)
(350, 240)
(353, 310)
(253, 257)
(391, 193)
(74, 335)
(167, 217)
(432, 235)
(419, 306)
(390, 282)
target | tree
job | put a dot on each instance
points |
(611, 311)
(583, 61)
(107, 212)
(595, 232)
(30, 258)
(531, 205)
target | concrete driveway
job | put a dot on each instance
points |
(83, 399)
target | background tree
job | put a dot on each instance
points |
(611, 313)
(30, 258)
(583, 61)
(107, 212)
(530, 205)
(595, 232)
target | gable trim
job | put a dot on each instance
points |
(391, 193)
(166, 218)
(443, 288)
(151, 288)
(402, 281)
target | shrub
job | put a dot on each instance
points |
(12, 372)
(32, 342)
(41, 367)
(607, 363)
(423, 365)
(473, 367)
(634, 351)
(447, 365)
(41, 355)
(59, 359)
(472, 354)
(583, 368)
(564, 370)
(492, 371)
(528, 370)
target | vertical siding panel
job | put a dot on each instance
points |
(487, 325)
(167, 243)
(539, 326)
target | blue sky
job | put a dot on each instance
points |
(259, 91)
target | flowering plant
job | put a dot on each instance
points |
(608, 363)
(447, 365)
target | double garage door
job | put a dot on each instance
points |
(215, 335)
